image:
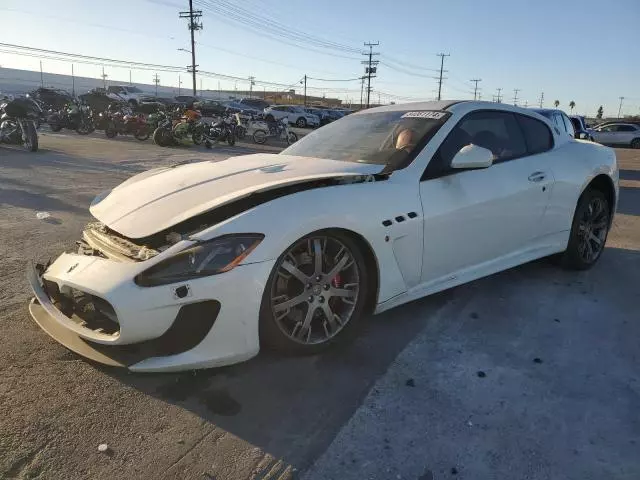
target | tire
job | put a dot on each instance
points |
(301, 122)
(197, 138)
(241, 132)
(585, 220)
(84, 128)
(160, 137)
(231, 138)
(55, 127)
(292, 138)
(142, 134)
(269, 118)
(133, 103)
(31, 143)
(635, 143)
(110, 130)
(208, 144)
(287, 333)
(260, 137)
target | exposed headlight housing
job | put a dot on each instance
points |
(201, 260)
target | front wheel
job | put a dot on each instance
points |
(635, 143)
(316, 294)
(260, 137)
(231, 138)
(241, 132)
(292, 138)
(197, 138)
(162, 137)
(589, 231)
(55, 126)
(85, 127)
(31, 137)
(301, 122)
(142, 134)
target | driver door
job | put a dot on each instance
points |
(475, 217)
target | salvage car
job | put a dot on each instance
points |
(198, 265)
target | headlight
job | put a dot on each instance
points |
(207, 258)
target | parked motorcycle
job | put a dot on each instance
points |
(124, 122)
(74, 116)
(171, 131)
(17, 123)
(224, 130)
(263, 129)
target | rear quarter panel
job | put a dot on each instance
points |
(575, 165)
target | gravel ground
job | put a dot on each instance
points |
(350, 413)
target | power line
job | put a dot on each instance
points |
(441, 55)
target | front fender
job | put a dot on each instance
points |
(360, 208)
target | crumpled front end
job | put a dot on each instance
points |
(89, 302)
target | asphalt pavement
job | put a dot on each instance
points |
(530, 373)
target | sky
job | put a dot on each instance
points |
(572, 50)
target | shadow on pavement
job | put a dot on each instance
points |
(292, 407)
(629, 203)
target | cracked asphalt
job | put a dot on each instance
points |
(559, 353)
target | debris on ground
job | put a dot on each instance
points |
(43, 215)
(103, 447)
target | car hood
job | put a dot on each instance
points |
(160, 198)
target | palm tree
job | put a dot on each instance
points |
(572, 105)
(556, 103)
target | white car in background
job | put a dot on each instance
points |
(295, 114)
(198, 265)
(128, 93)
(618, 134)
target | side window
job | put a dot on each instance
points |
(568, 126)
(493, 130)
(626, 128)
(537, 134)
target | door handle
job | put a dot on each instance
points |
(537, 177)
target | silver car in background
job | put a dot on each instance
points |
(622, 134)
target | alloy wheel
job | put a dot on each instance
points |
(592, 230)
(315, 290)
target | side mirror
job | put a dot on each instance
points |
(472, 156)
(582, 136)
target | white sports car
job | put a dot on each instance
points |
(198, 265)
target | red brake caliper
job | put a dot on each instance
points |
(337, 281)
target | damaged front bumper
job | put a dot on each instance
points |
(92, 306)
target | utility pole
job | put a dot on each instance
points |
(129, 77)
(541, 99)
(179, 85)
(193, 16)
(251, 84)
(475, 89)
(73, 82)
(41, 76)
(200, 86)
(371, 68)
(441, 55)
(499, 98)
(156, 80)
(305, 90)
(620, 107)
(361, 89)
(515, 96)
(526, 103)
(104, 79)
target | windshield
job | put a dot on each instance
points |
(384, 138)
(133, 89)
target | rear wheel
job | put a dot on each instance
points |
(589, 231)
(142, 134)
(301, 122)
(161, 137)
(231, 138)
(241, 132)
(292, 138)
(260, 137)
(55, 127)
(316, 294)
(110, 130)
(197, 138)
(635, 143)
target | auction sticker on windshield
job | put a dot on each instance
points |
(425, 114)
